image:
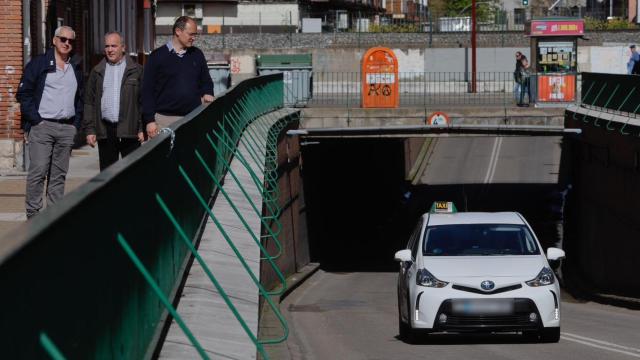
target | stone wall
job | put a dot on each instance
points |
(365, 40)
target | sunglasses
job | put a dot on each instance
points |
(66, 40)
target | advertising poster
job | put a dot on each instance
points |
(556, 88)
(380, 79)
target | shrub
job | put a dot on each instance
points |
(614, 24)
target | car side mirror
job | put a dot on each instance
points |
(403, 255)
(554, 254)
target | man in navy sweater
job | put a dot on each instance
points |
(176, 79)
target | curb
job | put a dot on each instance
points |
(299, 278)
(615, 300)
(280, 351)
(12, 173)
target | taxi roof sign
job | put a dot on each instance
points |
(446, 207)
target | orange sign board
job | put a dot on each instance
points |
(556, 88)
(380, 79)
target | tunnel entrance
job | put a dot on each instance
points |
(361, 208)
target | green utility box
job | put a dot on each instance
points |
(297, 75)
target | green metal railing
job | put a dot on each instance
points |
(612, 94)
(154, 242)
(245, 112)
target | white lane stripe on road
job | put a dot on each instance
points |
(493, 160)
(606, 343)
(603, 347)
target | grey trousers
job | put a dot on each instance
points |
(50, 147)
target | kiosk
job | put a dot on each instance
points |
(554, 59)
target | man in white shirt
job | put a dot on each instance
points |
(112, 103)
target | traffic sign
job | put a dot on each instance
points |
(438, 118)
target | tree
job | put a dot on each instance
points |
(485, 9)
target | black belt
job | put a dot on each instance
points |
(109, 123)
(60, 121)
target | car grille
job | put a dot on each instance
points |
(517, 320)
(488, 320)
(495, 291)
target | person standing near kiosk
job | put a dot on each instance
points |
(633, 66)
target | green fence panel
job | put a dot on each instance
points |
(65, 276)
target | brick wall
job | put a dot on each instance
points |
(10, 69)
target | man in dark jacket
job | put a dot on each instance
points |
(176, 78)
(50, 96)
(112, 114)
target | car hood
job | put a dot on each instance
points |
(450, 267)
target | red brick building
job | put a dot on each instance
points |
(11, 63)
(26, 30)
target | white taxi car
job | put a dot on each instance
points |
(473, 271)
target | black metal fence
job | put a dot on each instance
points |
(418, 89)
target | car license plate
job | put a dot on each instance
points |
(482, 306)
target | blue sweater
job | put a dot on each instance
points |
(173, 85)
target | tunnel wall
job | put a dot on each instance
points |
(293, 234)
(602, 236)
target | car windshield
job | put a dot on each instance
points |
(479, 239)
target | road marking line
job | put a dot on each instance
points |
(493, 151)
(493, 161)
(601, 347)
(601, 342)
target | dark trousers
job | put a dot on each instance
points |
(525, 88)
(111, 148)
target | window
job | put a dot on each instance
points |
(192, 10)
(519, 16)
(479, 240)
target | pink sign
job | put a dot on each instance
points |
(557, 28)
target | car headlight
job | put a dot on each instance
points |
(425, 278)
(545, 277)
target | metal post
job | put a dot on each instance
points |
(358, 27)
(473, 46)
(26, 56)
(611, 9)
(466, 66)
(430, 27)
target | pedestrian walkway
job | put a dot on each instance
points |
(201, 306)
(82, 167)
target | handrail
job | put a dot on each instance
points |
(623, 101)
(249, 200)
(50, 347)
(161, 296)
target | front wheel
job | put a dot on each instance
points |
(407, 334)
(550, 335)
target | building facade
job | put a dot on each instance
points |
(282, 16)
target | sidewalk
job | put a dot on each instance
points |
(82, 167)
